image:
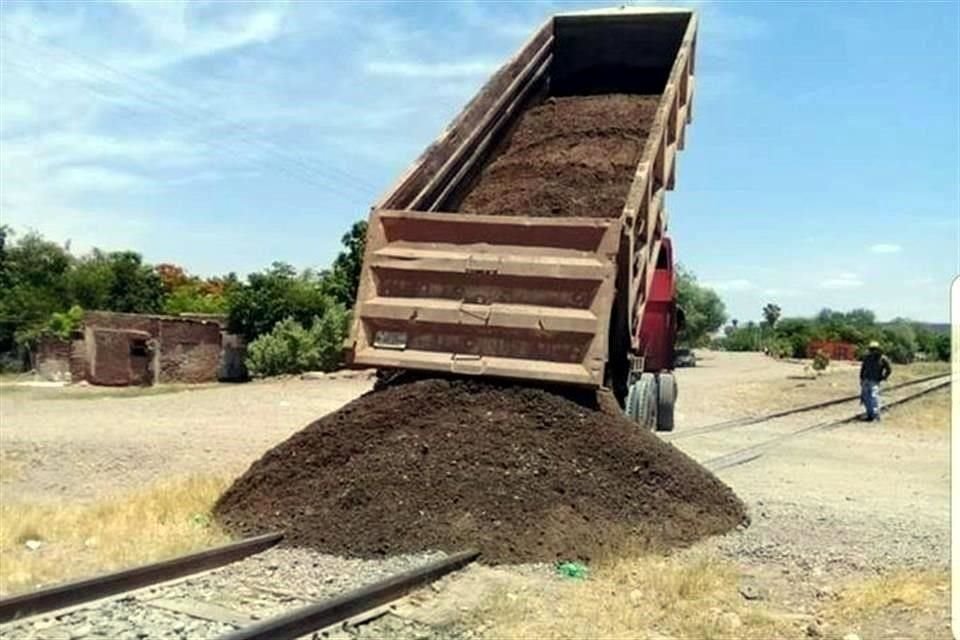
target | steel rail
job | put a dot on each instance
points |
(745, 422)
(752, 452)
(89, 589)
(310, 618)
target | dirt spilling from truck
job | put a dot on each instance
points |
(569, 156)
(525, 474)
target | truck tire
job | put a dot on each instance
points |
(618, 358)
(666, 400)
(641, 405)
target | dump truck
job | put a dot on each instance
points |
(582, 297)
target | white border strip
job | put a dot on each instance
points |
(954, 455)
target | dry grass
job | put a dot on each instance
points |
(78, 540)
(906, 591)
(929, 413)
(11, 466)
(691, 597)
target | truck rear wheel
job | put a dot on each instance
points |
(641, 405)
(666, 399)
(618, 358)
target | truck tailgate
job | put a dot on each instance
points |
(514, 297)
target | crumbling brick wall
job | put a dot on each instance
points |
(120, 357)
(53, 358)
(122, 322)
(79, 367)
(189, 351)
(123, 348)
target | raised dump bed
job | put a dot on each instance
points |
(524, 242)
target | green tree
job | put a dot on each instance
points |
(274, 295)
(115, 281)
(771, 313)
(704, 312)
(863, 318)
(899, 341)
(5, 232)
(344, 278)
(191, 298)
(90, 281)
(33, 287)
(936, 345)
(741, 339)
(798, 332)
(136, 287)
(63, 324)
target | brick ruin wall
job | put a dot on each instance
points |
(53, 359)
(113, 362)
(189, 351)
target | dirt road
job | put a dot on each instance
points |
(72, 443)
(833, 506)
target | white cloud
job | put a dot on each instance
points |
(93, 179)
(732, 285)
(886, 248)
(180, 31)
(845, 280)
(415, 69)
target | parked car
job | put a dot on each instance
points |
(684, 358)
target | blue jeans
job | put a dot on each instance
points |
(870, 398)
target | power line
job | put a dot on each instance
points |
(289, 171)
(144, 94)
(338, 178)
(161, 89)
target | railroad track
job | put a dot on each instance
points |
(757, 450)
(752, 420)
(184, 598)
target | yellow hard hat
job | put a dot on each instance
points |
(873, 344)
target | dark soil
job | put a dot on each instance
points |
(571, 156)
(523, 474)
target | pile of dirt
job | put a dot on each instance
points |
(571, 156)
(524, 474)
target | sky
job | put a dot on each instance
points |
(822, 168)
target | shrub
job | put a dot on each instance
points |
(899, 342)
(781, 348)
(292, 348)
(64, 324)
(820, 361)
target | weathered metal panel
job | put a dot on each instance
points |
(487, 293)
(520, 296)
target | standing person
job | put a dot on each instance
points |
(874, 370)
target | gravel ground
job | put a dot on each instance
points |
(81, 443)
(827, 508)
(256, 588)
